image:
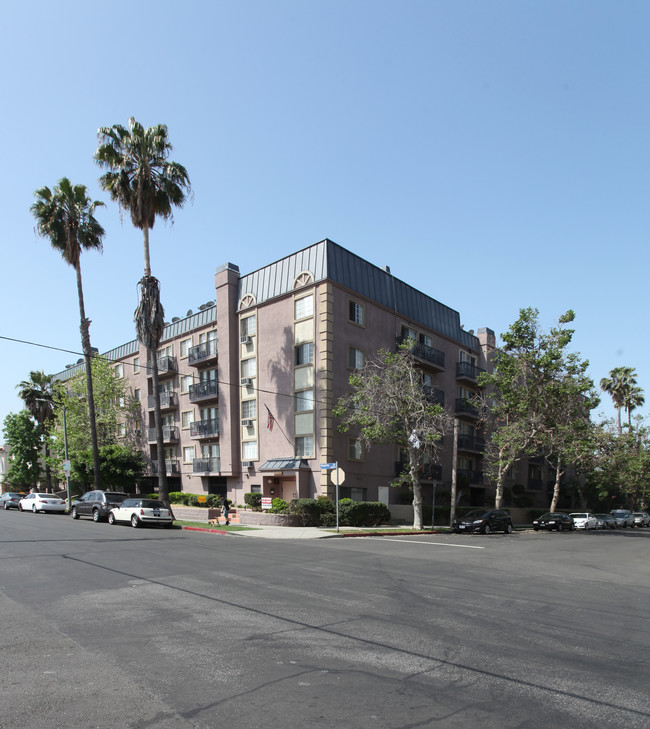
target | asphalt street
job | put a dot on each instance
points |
(109, 626)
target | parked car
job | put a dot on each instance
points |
(141, 511)
(557, 520)
(641, 519)
(42, 502)
(605, 521)
(97, 504)
(584, 520)
(484, 521)
(624, 517)
(10, 500)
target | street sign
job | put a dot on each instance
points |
(327, 466)
(340, 476)
(66, 466)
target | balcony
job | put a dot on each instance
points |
(204, 428)
(465, 406)
(428, 471)
(207, 390)
(165, 366)
(432, 356)
(471, 443)
(206, 465)
(168, 401)
(170, 434)
(474, 478)
(434, 396)
(203, 353)
(468, 371)
(171, 467)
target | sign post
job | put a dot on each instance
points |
(332, 467)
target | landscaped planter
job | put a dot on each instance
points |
(261, 518)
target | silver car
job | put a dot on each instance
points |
(141, 511)
(641, 519)
(584, 520)
(624, 517)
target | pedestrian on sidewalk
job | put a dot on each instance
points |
(225, 509)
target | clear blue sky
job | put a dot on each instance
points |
(494, 154)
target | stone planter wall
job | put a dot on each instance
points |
(261, 518)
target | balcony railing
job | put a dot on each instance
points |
(471, 443)
(202, 353)
(170, 434)
(206, 465)
(423, 351)
(171, 466)
(204, 428)
(465, 406)
(428, 471)
(207, 390)
(468, 371)
(168, 401)
(166, 366)
(434, 395)
(471, 477)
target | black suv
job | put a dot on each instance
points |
(97, 504)
(483, 520)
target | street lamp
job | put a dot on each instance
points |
(66, 462)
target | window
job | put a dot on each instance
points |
(256, 489)
(187, 418)
(188, 454)
(207, 375)
(305, 353)
(136, 365)
(356, 313)
(305, 446)
(137, 396)
(356, 494)
(121, 429)
(186, 381)
(355, 449)
(426, 340)
(355, 358)
(248, 325)
(303, 307)
(465, 357)
(249, 367)
(427, 381)
(408, 333)
(185, 346)
(121, 402)
(165, 351)
(249, 409)
(249, 450)
(119, 370)
(304, 401)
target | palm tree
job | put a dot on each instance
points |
(142, 180)
(619, 385)
(633, 399)
(65, 215)
(37, 394)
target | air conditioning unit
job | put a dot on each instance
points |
(138, 431)
(246, 381)
(247, 423)
(245, 339)
(247, 464)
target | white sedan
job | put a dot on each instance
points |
(141, 511)
(584, 520)
(42, 502)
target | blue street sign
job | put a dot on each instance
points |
(327, 466)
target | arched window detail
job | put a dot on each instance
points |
(303, 278)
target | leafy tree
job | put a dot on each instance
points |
(114, 406)
(65, 215)
(142, 180)
(23, 438)
(37, 394)
(387, 404)
(537, 399)
(122, 466)
(621, 385)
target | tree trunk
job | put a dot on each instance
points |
(163, 488)
(498, 497)
(556, 487)
(147, 259)
(85, 346)
(417, 490)
(454, 473)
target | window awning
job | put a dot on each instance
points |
(283, 464)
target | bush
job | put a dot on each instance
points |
(362, 513)
(309, 511)
(254, 501)
(278, 506)
(326, 504)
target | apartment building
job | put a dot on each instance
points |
(248, 382)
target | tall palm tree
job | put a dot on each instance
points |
(65, 215)
(37, 394)
(634, 398)
(620, 383)
(142, 180)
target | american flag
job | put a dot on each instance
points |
(270, 420)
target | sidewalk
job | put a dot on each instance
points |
(274, 532)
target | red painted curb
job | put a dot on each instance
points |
(202, 529)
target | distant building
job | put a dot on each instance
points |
(248, 382)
